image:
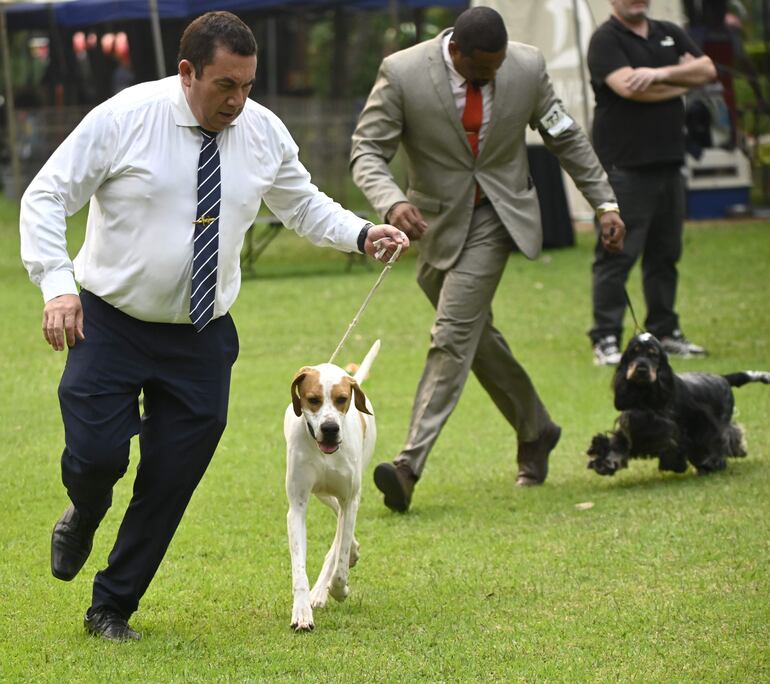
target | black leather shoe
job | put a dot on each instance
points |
(108, 624)
(533, 456)
(71, 542)
(396, 482)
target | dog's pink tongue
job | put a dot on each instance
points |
(328, 448)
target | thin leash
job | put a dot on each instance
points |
(638, 328)
(354, 322)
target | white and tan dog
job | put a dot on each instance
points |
(330, 435)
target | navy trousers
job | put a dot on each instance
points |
(652, 205)
(184, 377)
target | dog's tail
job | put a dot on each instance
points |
(363, 370)
(745, 377)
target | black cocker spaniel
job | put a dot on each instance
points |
(680, 419)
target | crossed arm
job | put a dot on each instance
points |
(648, 84)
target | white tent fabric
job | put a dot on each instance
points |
(561, 29)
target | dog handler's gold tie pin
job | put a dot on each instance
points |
(205, 220)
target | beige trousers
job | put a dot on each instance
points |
(463, 339)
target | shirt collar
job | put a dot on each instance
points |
(652, 27)
(183, 115)
(455, 79)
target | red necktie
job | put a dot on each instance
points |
(473, 115)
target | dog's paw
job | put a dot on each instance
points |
(602, 458)
(302, 616)
(712, 465)
(339, 589)
(614, 462)
(599, 453)
(319, 596)
(600, 446)
(355, 553)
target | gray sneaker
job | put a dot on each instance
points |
(606, 351)
(676, 344)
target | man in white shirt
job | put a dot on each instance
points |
(175, 171)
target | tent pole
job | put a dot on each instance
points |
(582, 66)
(10, 109)
(157, 39)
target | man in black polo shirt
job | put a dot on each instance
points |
(640, 68)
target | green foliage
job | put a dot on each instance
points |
(367, 38)
(664, 579)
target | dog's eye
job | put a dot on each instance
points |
(314, 401)
(341, 400)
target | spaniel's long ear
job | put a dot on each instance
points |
(621, 387)
(665, 377)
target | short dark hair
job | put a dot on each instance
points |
(212, 30)
(480, 28)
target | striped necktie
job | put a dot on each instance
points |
(206, 240)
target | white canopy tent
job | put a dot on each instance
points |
(561, 29)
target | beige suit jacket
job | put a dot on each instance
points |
(411, 103)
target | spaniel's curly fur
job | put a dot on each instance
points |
(680, 419)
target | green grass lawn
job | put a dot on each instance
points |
(664, 579)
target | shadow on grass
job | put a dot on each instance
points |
(456, 500)
(688, 479)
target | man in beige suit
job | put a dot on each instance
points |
(459, 104)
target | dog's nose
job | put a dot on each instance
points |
(330, 430)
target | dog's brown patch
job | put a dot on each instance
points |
(631, 372)
(341, 394)
(306, 390)
(348, 387)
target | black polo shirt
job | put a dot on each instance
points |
(630, 134)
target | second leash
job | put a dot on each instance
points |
(639, 328)
(353, 323)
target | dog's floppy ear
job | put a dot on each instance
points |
(295, 400)
(665, 377)
(359, 398)
(621, 388)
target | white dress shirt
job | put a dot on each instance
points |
(135, 157)
(458, 85)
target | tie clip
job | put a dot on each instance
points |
(205, 220)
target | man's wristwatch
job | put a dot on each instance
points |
(361, 242)
(606, 208)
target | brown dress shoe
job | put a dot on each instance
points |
(396, 482)
(533, 456)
